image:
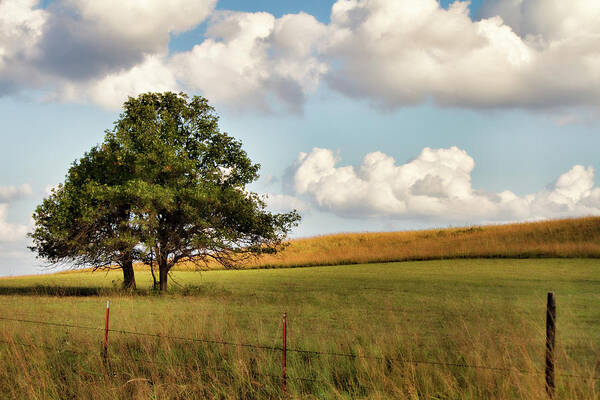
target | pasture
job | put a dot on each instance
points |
(442, 329)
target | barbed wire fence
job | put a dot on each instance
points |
(283, 349)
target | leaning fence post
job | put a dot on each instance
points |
(284, 354)
(106, 330)
(550, 341)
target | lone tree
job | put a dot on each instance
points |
(175, 189)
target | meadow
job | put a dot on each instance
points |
(440, 329)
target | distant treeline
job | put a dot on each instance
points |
(577, 237)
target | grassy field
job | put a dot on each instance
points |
(574, 237)
(419, 319)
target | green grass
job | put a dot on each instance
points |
(486, 312)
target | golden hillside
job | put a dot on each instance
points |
(578, 237)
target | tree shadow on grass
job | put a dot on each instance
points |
(207, 290)
(60, 291)
(71, 291)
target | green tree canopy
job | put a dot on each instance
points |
(166, 181)
(83, 224)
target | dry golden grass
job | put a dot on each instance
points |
(578, 237)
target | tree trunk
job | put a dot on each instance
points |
(154, 281)
(163, 271)
(163, 275)
(128, 275)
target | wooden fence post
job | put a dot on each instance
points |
(284, 355)
(106, 331)
(550, 342)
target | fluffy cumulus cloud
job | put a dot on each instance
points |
(109, 91)
(87, 39)
(250, 59)
(523, 53)
(75, 50)
(105, 51)
(21, 28)
(517, 53)
(436, 184)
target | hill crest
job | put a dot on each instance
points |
(574, 237)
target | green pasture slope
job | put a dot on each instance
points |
(424, 330)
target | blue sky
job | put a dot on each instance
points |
(384, 115)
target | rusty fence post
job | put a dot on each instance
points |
(284, 355)
(550, 342)
(105, 353)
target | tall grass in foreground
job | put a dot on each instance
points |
(481, 313)
(147, 368)
(578, 237)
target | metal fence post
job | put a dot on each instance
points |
(284, 355)
(106, 331)
(550, 342)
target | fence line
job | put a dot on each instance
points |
(255, 346)
(277, 348)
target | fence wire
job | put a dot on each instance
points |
(277, 348)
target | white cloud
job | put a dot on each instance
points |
(144, 20)
(436, 184)
(87, 49)
(249, 59)
(115, 48)
(20, 27)
(399, 52)
(10, 193)
(102, 52)
(285, 203)
(113, 89)
(541, 54)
